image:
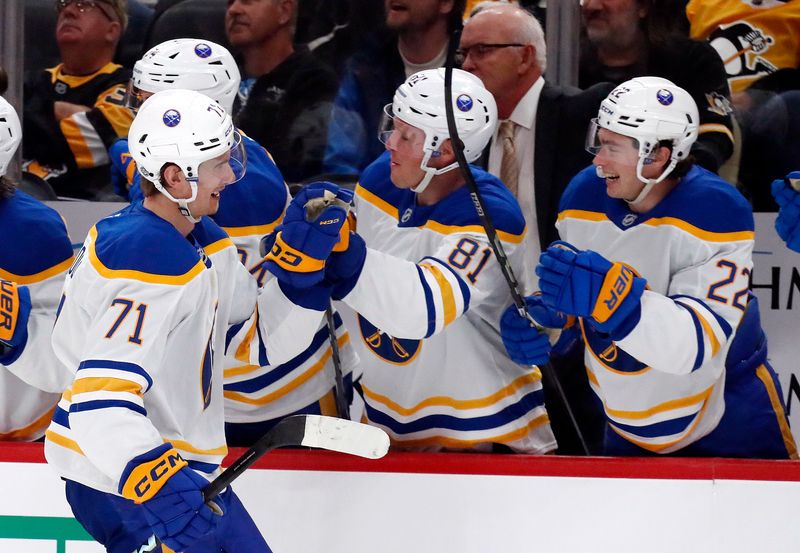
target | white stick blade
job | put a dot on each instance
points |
(345, 436)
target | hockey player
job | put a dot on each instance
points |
(33, 265)
(143, 319)
(426, 288)
(257, 393)
(655, 267)
(785, 192)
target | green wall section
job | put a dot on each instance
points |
(59, 529)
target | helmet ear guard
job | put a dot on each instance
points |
(420, 102)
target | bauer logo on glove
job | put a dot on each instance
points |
(15, 307)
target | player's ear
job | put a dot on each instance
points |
(446, 155)
(172, 177)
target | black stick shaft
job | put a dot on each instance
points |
(488, 225)
(342, 409)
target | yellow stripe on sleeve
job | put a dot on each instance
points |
(218, 246)
(105, 384)
(77, 143)
(63, 441)
(448, 300)
(712, 337)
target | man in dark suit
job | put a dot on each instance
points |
(537, 149)
(504, 46)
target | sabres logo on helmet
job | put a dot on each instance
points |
(171, 117)
(398, 351)
(464, 102)
(202, 50)
(664, 97)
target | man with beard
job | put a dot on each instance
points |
(416, 40)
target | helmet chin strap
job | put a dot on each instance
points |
(649, 183)
(430, 172)
(183, 203)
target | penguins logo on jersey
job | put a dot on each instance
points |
(741, 47)
(398, 351)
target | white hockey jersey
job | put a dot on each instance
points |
(256, 389)
(662, 385)
(38, 254)
(143, 324)
(429, 301)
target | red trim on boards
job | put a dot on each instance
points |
(671, 468)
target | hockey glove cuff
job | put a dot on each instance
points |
(524, 343)
(344, 268)
(15, 309)
(311, 228)
(171, 495)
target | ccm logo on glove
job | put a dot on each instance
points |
(330, 221)
(147, 479)
(9, 309)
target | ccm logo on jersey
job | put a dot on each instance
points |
(148, 478)
(616, 286)
(9, 309)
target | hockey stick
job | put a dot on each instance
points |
(317, 431)
(488, 224)
(342, 409)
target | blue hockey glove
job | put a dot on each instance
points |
(344, 268)
(315, 222)
(15, 308)
(586, 284)
(171, 495)
(785, 192)
(524, 343)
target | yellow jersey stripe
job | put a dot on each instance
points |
(105, 384)
(448, 299)
(293, 385)
(461, 404)
(446, 441)
(186, 446)
(256, 230)
(707, 329)
(774, 398)
(117, 115)
(670, 221)
(670, 405)
(40, 276)
(655, 448)
(243, 351)
(390, 210)
(198, 268)
(25, 433)
(63, 441)
(218, 246)
(56, 74)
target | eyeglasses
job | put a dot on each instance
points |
(480, 50)
(83, 6)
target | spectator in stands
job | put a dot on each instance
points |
(623, 39)
(74, 111)
(504, 45)
(759, 43)
(286, 94)
(32, 274)
(654, 266)
(415, 38)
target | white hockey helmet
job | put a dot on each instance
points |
(650, 110)
(10, 134)
(186, 128)
(420, 102)
(189, 63)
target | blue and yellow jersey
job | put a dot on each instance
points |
(427, 305)
(38, 254)
(663, 385)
